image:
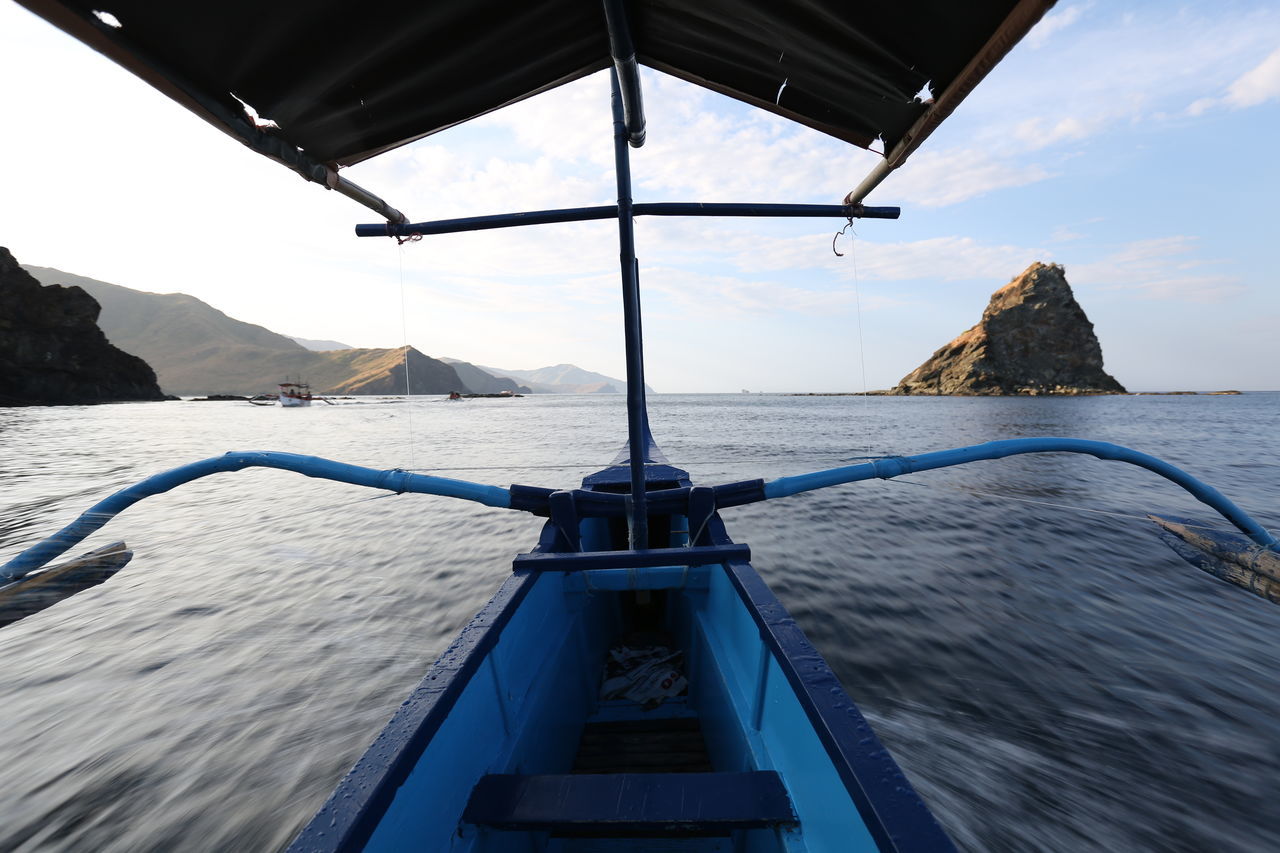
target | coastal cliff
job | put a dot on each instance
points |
(1033, 338)
(52, 351)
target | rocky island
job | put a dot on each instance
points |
(1033, 338)
(52, 351)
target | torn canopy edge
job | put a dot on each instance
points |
(229, 117)
(231, 120)
(1019, 22)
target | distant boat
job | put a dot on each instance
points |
(295, 394)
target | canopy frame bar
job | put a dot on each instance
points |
(623, 50)
(1019, 21)
(637, 412)
(610, 211)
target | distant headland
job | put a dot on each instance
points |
(197, 350)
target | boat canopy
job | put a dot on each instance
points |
(323, 84)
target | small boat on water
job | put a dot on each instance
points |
(633, 684)
(294, 394)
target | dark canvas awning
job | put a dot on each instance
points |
(347, 80)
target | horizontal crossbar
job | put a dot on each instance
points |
(610, 211)
(558, 561)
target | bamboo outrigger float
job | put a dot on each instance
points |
(508, 743)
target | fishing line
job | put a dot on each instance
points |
(979, 493)
(857, 301)
(404, 333)
(862, 358)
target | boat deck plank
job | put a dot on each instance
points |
(622, 804)
(643, 746)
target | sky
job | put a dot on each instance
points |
(1134, 143)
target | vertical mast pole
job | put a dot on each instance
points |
(637, 417)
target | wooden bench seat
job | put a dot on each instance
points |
(622, 804)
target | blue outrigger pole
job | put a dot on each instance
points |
(587, 504)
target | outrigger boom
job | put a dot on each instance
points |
(568, 507)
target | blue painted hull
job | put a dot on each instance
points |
(485, 754)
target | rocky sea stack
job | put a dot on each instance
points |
(1034, 338)
(52, 351)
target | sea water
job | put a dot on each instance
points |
(1047, 672)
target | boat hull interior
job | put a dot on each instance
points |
(508, 745)
(545, 671)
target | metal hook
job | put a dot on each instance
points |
(839, 233)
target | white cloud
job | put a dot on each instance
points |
(1040, 132)
(1262, 83)
(1256, 86)
(1200, 106)
(946, 259)
(936, 178)
(1164, 268)
(748, 249)
(1052, 23)
(1120, 71)
(713, 295)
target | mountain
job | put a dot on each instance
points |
(1033, 338)
(52, 352)
(565, 379)
(197, 349)
(381, 371)
(319, 346)
(482, 382)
